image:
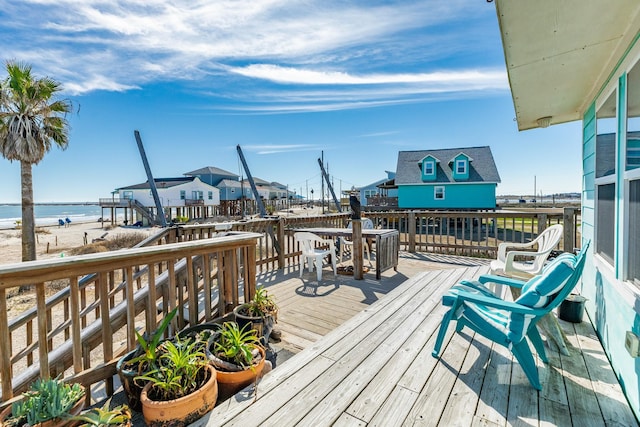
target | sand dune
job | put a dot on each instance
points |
(54, 241)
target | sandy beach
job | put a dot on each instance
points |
(52, 241)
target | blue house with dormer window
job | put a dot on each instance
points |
(455, 178)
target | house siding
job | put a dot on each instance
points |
(171, 196)
(612, 304)
(457, 196)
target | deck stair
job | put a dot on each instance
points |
(144, 211)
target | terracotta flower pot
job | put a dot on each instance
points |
(229, 383)
(184, 410)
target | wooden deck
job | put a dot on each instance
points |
(367, 361)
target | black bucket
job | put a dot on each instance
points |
(572, 308)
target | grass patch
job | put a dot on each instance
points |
(119, 241)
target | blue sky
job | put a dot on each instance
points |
(284, 79)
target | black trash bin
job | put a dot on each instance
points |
(572, 308)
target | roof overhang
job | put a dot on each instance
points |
(559, 54)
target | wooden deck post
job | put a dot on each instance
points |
(411, 227)
(356, 238)
(280, 246)
(542, 223)
(569, 238)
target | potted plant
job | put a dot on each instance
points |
(261, 313)
(141, 360)
(238, 358)
(47, 403)
(182, 388)
(120, 416)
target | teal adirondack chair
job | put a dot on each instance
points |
(509, 323)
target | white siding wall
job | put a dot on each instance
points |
(171, 196)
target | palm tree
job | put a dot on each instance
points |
(31, 121)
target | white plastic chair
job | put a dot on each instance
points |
(344, 243)
(505, 264)
(311, 254)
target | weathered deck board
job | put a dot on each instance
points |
(376, 367)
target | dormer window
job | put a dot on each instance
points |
(461, 167)
(429, 167)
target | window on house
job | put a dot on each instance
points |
(183, 194)
(428, 167)
(631, 179)
(605, 176)
(633, 262)
(461, 167)
(605, 223)
(210, 195)
(127, 195)
(438, 193)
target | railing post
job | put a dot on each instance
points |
(280, 247)
(411, 227)
(568, 221)
(358, 261)
(5, 350)
(542, 223)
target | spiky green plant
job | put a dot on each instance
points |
(104, 416)
(236, 344)
(149, 346)
(181, 370)
(262, 304)
(45, 400)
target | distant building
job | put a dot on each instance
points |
(212, 175)
(453, 178)
(184, 191)
(233, 190)
(371, 193)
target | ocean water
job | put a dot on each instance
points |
(50, 214)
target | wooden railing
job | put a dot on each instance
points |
(79, 332)
(444, 232)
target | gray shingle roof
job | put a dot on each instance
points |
(229, 183)
(481, 169)
(160, 183)
(211, 170)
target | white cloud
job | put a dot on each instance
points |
(121, 45)
(496, 79)
(283, 148)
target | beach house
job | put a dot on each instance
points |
(452, 178)
(371, 194)
(173, 192)
(580, 60)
